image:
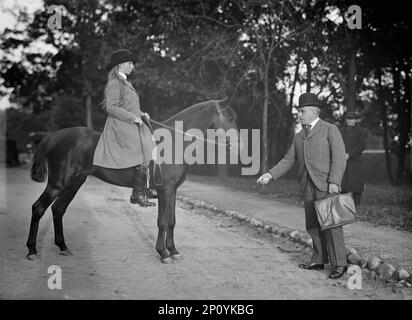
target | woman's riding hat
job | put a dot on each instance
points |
(309, 100)
(119, 56)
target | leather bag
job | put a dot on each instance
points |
(335, 210)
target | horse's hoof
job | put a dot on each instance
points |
(176, 256)
(32, 256)
(167, 260)
(66, 253)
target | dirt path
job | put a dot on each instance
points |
(114, 254)
(393, 246)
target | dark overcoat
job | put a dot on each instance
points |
(355, 142)
(122, 143)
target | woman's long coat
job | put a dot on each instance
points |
(355, 142)
(122, 143)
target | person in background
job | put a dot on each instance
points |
(319, 152)
(354, 138)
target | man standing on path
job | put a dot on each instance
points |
(354, 138)
(320, 152)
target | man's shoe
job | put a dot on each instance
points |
(338, 272)
(312, 266)
(141, 200)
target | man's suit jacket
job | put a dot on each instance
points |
(322, 152)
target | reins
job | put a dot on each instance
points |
(188, 134)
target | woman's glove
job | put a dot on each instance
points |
(138, 121)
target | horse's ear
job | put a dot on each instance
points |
(223, 102)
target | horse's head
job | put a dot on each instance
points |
(225, 118)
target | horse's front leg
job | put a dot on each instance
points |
(170, 212)
(162, 226)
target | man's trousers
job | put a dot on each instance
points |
(325, 243)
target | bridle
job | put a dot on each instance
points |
(220, 116)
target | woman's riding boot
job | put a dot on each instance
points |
(139, 187)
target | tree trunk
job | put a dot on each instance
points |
(89, 119)
(409, 124)
(402, 110)
(295, 80)
(264, 161)
(87, 94)
(351, 98)
(308, 74)
(385, 131)
(397, 87)
(386, 145)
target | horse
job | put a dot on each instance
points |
(66, 157)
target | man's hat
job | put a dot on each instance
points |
(309, 100)
(352, 115)
(119, 56)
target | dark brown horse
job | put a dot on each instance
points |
(69, 152)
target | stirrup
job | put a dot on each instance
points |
(152, 194)
(141, 200)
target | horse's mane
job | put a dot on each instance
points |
(193, 108)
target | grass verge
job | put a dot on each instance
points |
(381, 204)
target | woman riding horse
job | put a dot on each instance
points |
(126, 140)
(65, 158)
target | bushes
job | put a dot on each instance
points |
(20, 123)
(66, 111)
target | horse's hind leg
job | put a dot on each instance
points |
(59, 208)
(38, 209)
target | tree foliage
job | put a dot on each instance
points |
(260, 54)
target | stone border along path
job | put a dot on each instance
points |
(378, 269)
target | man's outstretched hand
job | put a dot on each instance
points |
(264, 178)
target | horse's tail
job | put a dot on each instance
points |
(39, 166)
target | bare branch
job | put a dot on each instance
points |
(197, 16)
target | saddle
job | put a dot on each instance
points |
(155, 170)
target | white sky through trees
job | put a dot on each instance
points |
(9, 10)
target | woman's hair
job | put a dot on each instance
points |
(114, 74)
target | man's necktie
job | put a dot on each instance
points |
(306, 129)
